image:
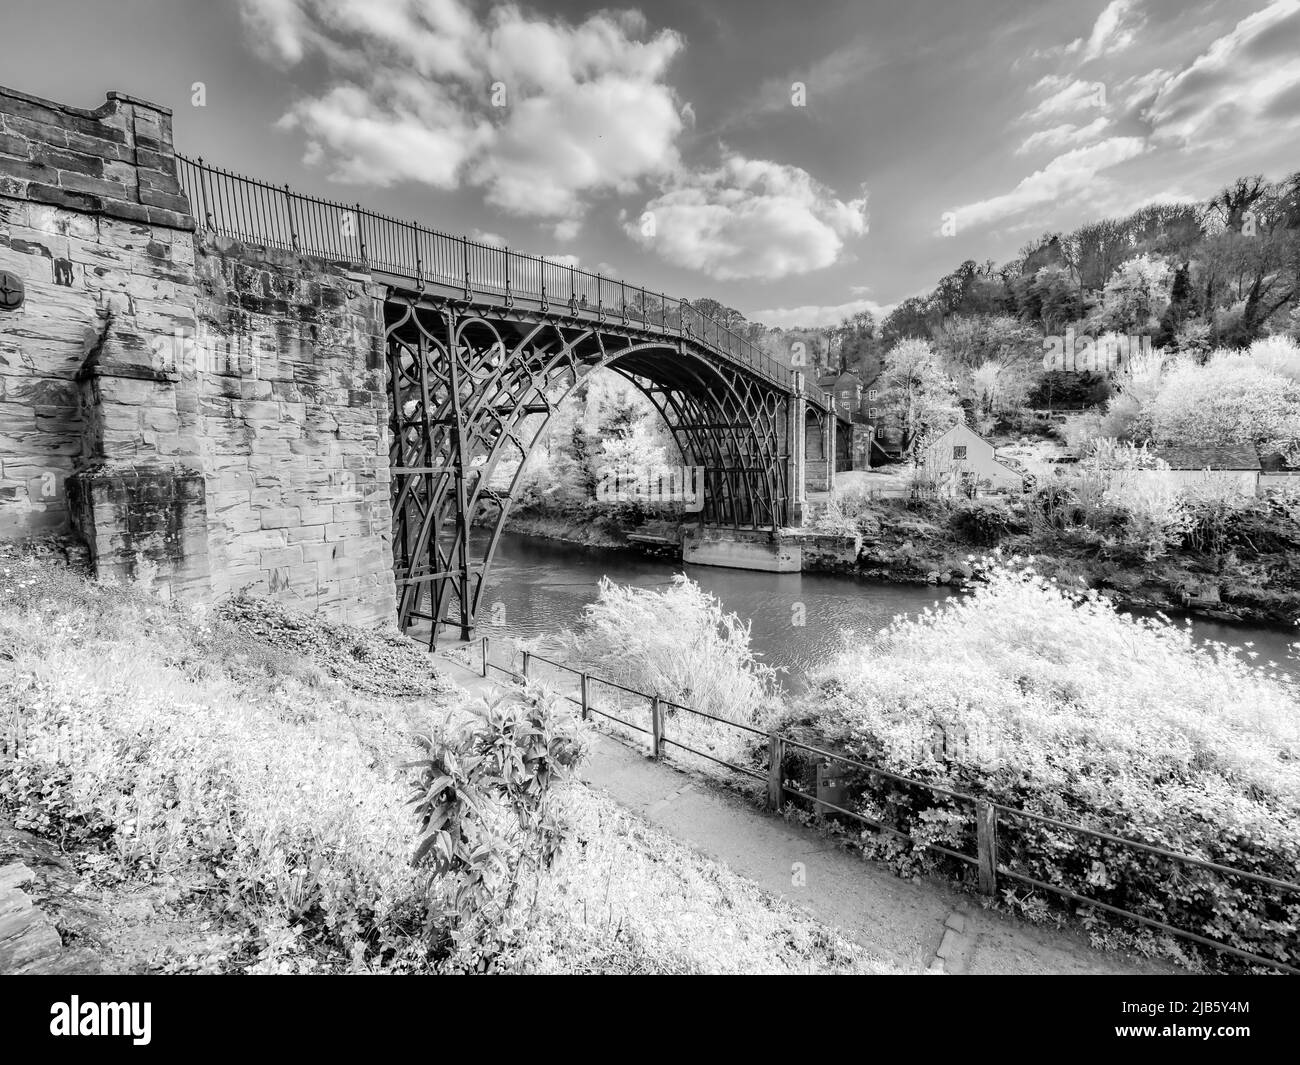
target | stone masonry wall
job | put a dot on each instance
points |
(91, 436)
(294, 419)
(210, 414)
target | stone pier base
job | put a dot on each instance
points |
(766, 552)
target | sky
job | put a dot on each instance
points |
(797, 161)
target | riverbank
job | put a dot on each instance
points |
(905, 547)
(225, 792)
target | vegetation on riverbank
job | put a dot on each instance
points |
(1246, 550)
(235, 789)
(1040, 696)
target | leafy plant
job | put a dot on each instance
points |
(484, 800)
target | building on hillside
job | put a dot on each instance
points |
(960, 461)
(886, 426)
(1224, 472)
(847, 390)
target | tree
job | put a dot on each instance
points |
(725, 316)
(1181, 305)
(1055, 298)
(1229, 400)
(919, 391)
(1136, 294)
(912, 319)
(859, 349)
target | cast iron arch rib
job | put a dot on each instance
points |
(471, 392)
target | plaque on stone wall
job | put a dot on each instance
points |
(11, 291)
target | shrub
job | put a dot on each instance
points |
(1047, 701)
(983, 522)
(487, 816)
(837, 517)
(681, 645)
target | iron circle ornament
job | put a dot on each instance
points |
(12, 292)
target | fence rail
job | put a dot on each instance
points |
(987, 814)
(276, 216)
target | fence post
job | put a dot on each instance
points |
(485, 655)
(986, 833)
(464, 257)
(203, 192)
(361, 238)
(586, 700)
(775, 787)
(656, 727)
(293, 224)
(527, 656)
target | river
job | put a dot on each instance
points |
(540, 586)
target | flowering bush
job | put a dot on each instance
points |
(681, 645)
(1048, 701)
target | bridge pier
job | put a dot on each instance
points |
(737, 549)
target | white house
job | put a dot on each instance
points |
(1220, 472)
(960, 458)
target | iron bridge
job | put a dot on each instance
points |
(482, 346)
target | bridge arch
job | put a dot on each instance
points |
(472, 387)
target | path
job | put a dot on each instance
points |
(917, 924)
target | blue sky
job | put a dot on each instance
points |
(670, 144)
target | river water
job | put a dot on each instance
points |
(537, 587)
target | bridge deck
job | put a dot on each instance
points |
(412, 257)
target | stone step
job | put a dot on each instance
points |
(29, 942)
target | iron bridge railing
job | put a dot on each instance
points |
(986, 814)
(276, 216)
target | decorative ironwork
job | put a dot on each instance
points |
(473, 389)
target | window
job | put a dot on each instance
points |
(959, 452)
(871, 393)
(871, 412)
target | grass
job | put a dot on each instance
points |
(229, 785)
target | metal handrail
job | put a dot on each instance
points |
(276, 216)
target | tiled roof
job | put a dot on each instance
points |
(1233, 457)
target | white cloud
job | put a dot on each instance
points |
(484, 237)
(813, 315)
(1066, 95)
(1245, 85)
(1063, 136)
(1072, 174)
(750, 218)
(563, 260)
(416, 87)
(1115, 29)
